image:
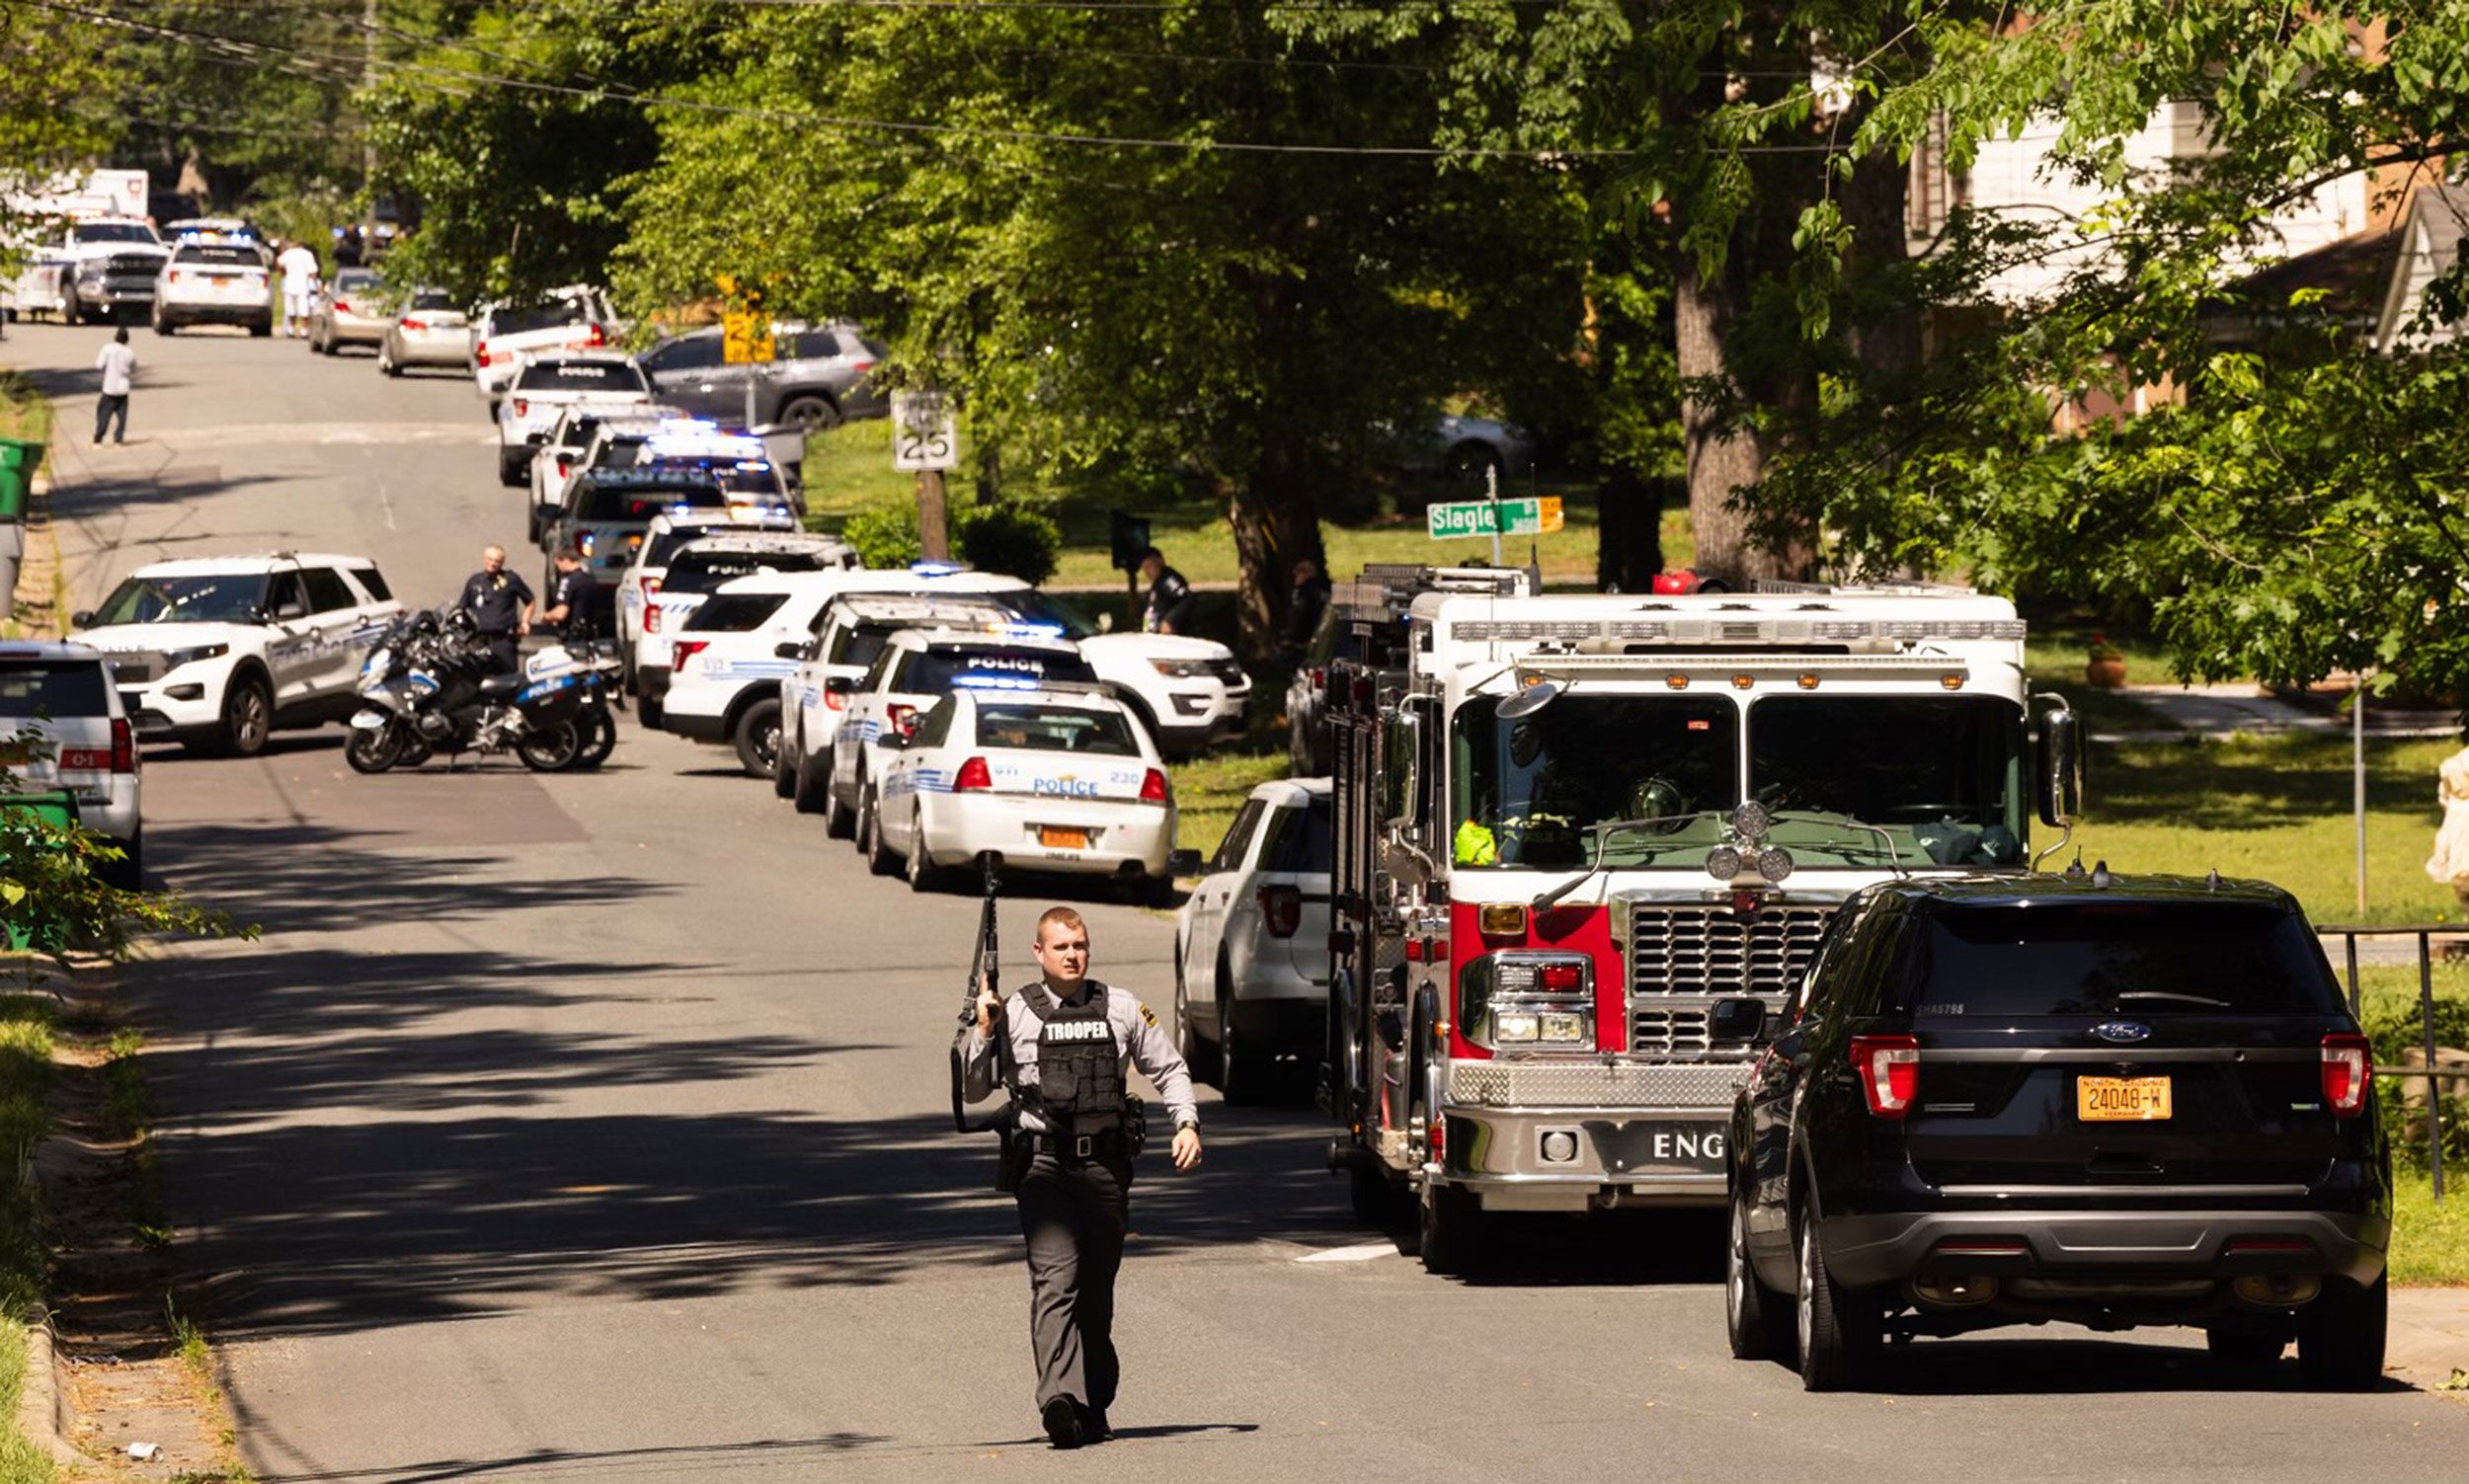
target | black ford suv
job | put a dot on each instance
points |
(2105, 1100)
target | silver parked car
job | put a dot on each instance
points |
(823, 376)
(429, 330)
(349, 310)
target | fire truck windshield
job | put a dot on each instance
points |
(1530, 792)
(1944, 777)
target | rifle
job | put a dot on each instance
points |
(988, 970)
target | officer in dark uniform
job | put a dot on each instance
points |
(1169, 609)
(574, 603)
(1063, 1045)
(499, 604)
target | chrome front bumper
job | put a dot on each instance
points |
(1631, 1131)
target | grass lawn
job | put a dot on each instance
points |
(2430, 1242)
(25, 1075)
(1209, 789)
(24, 413)
(2275, 808)
(849, 469)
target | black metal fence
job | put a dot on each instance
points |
(2424, 933)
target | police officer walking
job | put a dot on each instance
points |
(1063, 1045)
(1170, 608)
(573, 602)
(499, 604)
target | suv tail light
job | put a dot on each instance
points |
(413, 325)
(343, 306)
(1281, 909)
(1888, 1068)
(973, 775)
(651, 617)
(596, 337)
(2348, 1071)
(686, 648)
(173, 277)
(124, 745)
(902, 718)
(521, 406)
(488, 354)
(1154, 790)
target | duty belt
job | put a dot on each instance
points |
(1083, 1145)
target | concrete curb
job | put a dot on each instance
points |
(44, 1413)
(2429, 1335)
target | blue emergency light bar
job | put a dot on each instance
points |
(975, 681)
(936, 569)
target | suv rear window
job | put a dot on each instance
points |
(937, 671)
(2139, 957)
(637, 501)
(218, 257)
(704, 571)
(1298, 839)
(579, 376)
(547, 316)
(735, 612)
(52, 687)
(1055, 729)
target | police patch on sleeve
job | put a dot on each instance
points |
(1148, 1015)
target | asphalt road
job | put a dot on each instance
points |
(594, 1127)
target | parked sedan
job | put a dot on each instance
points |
(429, 330)
(349, 310)
(1250, 960)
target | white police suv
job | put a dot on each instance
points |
(727, 660)
(546, 386)
(849, 632)
(1188, 692)
(1252, 943)
(1044, 777)
(60, 697)
(917, 667)
(680, 567)
(221, 652)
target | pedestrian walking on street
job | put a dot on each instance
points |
(1064, 1042)
(499, 604)
(1169, 609)
(299, 269)
(118, 366)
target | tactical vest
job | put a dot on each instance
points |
(1080, 1067)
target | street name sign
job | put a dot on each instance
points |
(1528, 517)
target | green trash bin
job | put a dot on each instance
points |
(56, 808)
(18, 459)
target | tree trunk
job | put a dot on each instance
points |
(1884, 337)
(1276, 523)
(1721, 459)
(1630, 534)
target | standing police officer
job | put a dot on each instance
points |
(1068, 1038)
(575, 601)
(499, 604)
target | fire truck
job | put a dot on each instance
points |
(1587, 848)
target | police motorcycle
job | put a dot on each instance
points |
(595, 666)
(430, 685)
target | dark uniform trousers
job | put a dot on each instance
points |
(1074, 1213)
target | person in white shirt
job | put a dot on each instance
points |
(299, 269)
(117, 364)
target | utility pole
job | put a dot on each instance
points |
(368, 137)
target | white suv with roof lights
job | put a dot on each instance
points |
(546, 386)
(916, 668)
(61, 696)
(1055, 779)
(1252, 943)
(684, 560)
(727, 660)
(1188, 692)
(221, 652)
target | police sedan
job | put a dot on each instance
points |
(1048, 779)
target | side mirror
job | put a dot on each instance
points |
(82, 618)
(1183, 863)
(289, 611)
(2060, 767)
(1735, 1020)
(1401, 770)
(841, 685)
(789, 650)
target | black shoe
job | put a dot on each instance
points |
(1063, 1421)
(1093, 1426)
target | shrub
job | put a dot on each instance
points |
(1011, 539)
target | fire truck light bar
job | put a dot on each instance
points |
(1734, 631)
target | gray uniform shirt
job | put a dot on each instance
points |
(1142, 1042)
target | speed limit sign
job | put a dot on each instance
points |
(925, 433)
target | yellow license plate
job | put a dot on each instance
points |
(2121, 1100)
(1054, 839)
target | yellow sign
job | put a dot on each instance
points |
(745, 338)
(1551, 513)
